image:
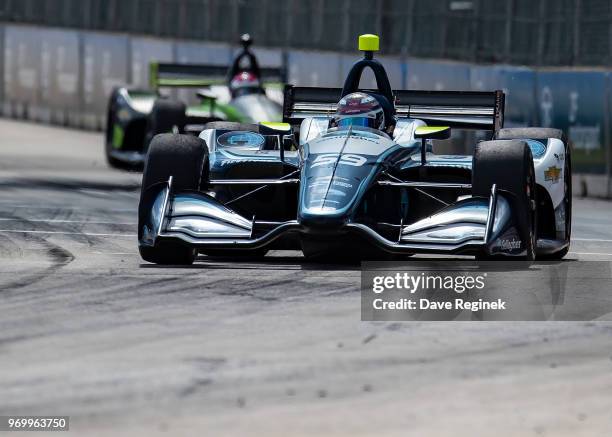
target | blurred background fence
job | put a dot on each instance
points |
(530, 32)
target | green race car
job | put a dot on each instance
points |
(242, 92)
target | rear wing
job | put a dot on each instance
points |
(475, 110)
(201, 75)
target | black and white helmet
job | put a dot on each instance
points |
(359, 109)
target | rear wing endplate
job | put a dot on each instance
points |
(476, 110)
(201, 75)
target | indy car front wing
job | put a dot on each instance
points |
(469, 226)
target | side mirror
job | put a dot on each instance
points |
(281, 131)
(425, 133)
(432, 132)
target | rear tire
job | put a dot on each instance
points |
(544, 133)
(232, 126)
(167, 116)
(567, 177)
(509, 165)
(185, 158)
(531, 133)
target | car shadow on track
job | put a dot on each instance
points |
(300, 263)
(272, 263)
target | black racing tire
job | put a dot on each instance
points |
(544, 133)
(533, 133)
(185, 158)
(232, 126)
(167, 116)
(509, 165)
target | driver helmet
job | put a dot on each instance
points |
(359, 109)
(244, 79)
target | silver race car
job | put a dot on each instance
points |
(352, 173)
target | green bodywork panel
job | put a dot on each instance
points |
(221, 111)
(187, 83)
(431, 131)
(157, 82)
(279, 127)
(118, 135)
(283, 127)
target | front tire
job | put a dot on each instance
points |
(509, 165)
(185, 158)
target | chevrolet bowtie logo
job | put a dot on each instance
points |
(552, 174)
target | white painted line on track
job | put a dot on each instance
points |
(86, 234)
(85, 222)
(68, 207)
(592, 239)
(590, 253)
(115, 253)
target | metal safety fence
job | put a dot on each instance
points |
(530, 32)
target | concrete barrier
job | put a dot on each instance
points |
(105, 66)
(143, 51)
(60, 101)
(437, 75)
(577, 101)
(518, 83)
(314, 68)
(22, 70)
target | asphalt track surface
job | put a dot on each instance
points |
(253, 348)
